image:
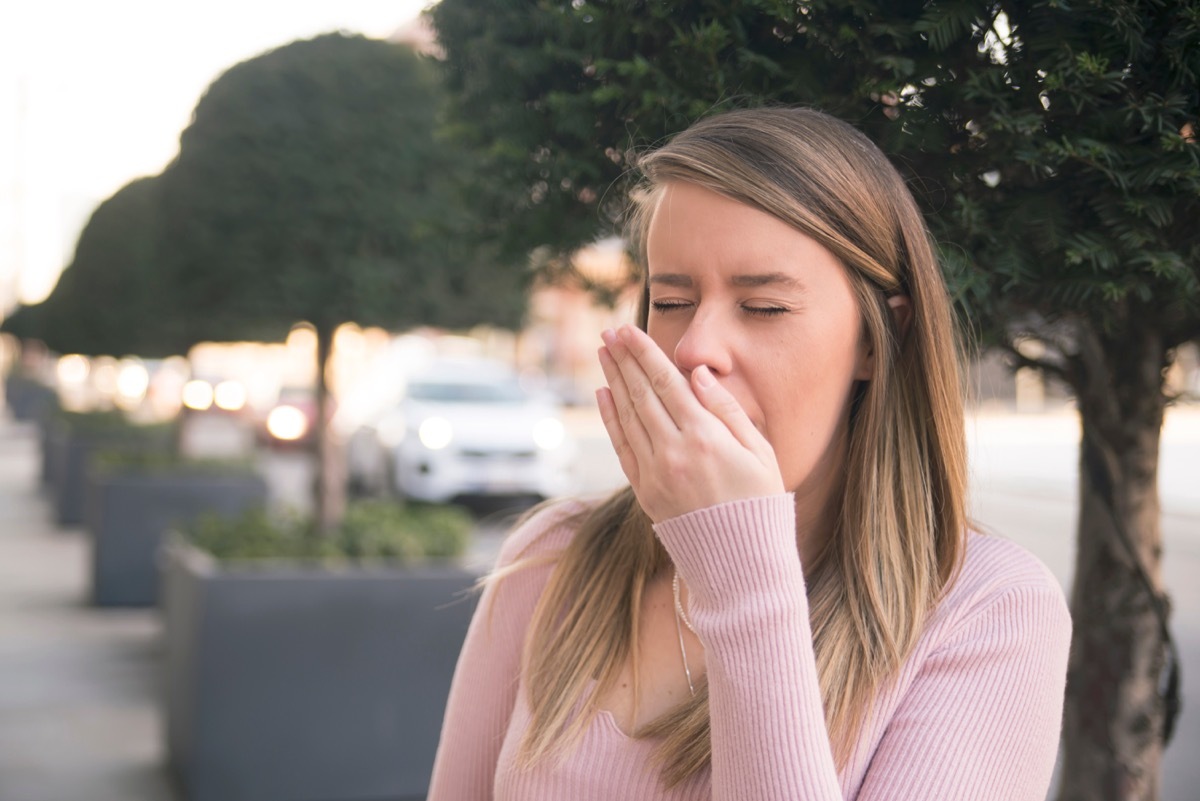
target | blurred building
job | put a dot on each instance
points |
(566, 317)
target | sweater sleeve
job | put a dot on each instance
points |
(484, 688)
(749, 608)
(979, 720)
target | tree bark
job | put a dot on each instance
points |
(329, 502)
(1113, 720)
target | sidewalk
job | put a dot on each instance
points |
(78, 716)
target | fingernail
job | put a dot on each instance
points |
(609, 336)
(626, 333)
(703, 377)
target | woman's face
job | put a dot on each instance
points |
(773, 316)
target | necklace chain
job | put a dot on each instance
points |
(679, 615)
(679, 604)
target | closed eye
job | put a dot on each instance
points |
(765, 311)
(667, 306)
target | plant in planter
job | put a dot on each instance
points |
(71, 440)
(308, 665)
(133, 498)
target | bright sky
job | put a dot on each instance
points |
(94, 94)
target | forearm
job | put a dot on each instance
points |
(748, 605)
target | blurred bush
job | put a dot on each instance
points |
(371, 530)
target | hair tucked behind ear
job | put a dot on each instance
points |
(899, 531)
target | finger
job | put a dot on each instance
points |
(624, 412)
(625, 455)
(639, 391)
(726, 408)
(661, 375)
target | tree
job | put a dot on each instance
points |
(1054, 148)
(311, 186)
(114, 298)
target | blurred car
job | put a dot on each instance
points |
(464, 428)
(291, 420)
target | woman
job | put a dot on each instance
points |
(787, 602)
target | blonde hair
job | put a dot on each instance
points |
(900, 520)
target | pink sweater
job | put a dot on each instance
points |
(973, 714)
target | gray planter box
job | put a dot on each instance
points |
(291, 683)
(128, 514)
(51, 435)
(70, 462)
(27, 399)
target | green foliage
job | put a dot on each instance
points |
(1081, 119)
(374, 529)
(165, 462)
(371, 530)
(115, 436)
(1048, 141)
(115, 297)
(106, 422)
(311, 185)
(558, 97)
(24, 322)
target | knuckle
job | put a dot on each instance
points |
(626, 414)
(660, 381)
(676, 463)
(727, 403)
(703, 445)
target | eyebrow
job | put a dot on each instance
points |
(681, 280)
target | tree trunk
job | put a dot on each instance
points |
(1113, 721)
(329, 503)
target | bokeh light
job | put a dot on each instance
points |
(198, 395)
(230, 396)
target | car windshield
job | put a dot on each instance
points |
(462, 392)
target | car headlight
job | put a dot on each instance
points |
(435, 433)
(549, 433)
(287, 423)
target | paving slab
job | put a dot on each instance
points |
(78, 713)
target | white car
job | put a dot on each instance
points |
(470, 429)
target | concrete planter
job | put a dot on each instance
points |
(27, 399)
(50, 436)
(294, 682)
(70, 461)
(129, 511)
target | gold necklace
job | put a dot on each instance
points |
(678, 604)
(679, 615)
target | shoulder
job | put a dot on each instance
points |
(544, 532)
(993, 562)
(1002, 584)
(526, 560)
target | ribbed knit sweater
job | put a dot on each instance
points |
(974, 713)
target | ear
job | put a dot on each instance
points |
(901, 306)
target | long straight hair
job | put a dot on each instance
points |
(901, 517)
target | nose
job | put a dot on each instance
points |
(706, 342)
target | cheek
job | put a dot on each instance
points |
(804, 408)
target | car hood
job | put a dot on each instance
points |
(494, 425)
